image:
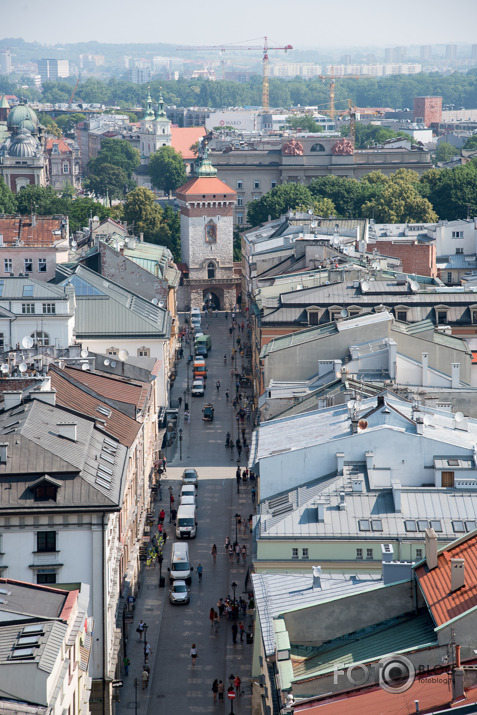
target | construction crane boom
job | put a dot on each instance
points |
(266, 67)
(332, 77)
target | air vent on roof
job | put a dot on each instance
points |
(104, 410)
(107, 458)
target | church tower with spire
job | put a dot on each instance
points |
(207, 207)
(155, 129)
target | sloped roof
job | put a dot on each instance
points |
(40, 231)
(63, 147)
(436, 584)
(206, 185)
(113, 387)
(183, 137)
(70, 395)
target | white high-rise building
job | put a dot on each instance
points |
(5, 62)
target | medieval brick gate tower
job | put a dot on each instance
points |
(207, 206)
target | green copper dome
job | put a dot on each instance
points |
(206, 168)
(20, 114)
(149, 113)
(161, 112)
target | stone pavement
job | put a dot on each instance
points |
(175, 685)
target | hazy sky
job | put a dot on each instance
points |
(302, 23)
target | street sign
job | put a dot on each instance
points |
(131, 599)
(231, 695)
(117, 683)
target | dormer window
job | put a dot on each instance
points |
(45, 488)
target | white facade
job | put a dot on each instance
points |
(242, 120)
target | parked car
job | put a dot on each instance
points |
(198, 388)
(201, 350)
(208, 412)
(179, 593)
(190, 476)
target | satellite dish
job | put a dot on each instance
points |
(310, 211)
(84, 353)
(5, 367)
(23, 367)
(427, 420)
(350, 404)
(113, 363)
(458, 417)
(106, 362)
(161, 304)
(85, 366)
(123, 355)
(155, 301)
(364, 287)
(74, 245)
(344, 313)
(27, 341)
(375, 265)
(414, 286)
(61, 364)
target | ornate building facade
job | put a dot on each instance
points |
(22, 161)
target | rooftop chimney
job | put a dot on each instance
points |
(342, 501)
(316, 576)
(12, 399)
(387, 552)
(67, 430)
(457, 574)
(320, 509)
(431, 549)
(48, 396)
(357, 485)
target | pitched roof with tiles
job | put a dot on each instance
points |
(206, 185)
(70, 395)
(40, 231)
(184, 137)
(63, 147)
(112, 387)
(436, 583)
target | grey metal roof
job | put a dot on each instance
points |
(13, 289)
(279, 593)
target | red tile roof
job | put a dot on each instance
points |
(112, 386)
(21, 228)
(204, 185)
(63, 147)
(118, 425)
(436, 584)
(183, 137)
(433, 692)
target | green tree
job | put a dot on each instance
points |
(304, 122)
(471, 143)
(80, 210)
(345, 194)
(166, 168)
(109, 179)
(117, 152)
(323, 207)
(400, 201)
(7, 199)
(42, 200)
(445, 152)
(67, 122)
(169, 233)
(452, 191)
(277, 201)
(50, 124)
(142, 210)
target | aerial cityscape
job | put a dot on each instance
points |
(238, 369)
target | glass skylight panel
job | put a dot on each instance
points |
(103, 410)
(33, 628)
(469, 525)
(23, 653)
(410, 525)
(458, 526)
(82, 287)
(422, 524)
(27, 641)
(436, 525)
(453, 462)
(27, 291)
(377, 525)
(107, 458)
(364, 525)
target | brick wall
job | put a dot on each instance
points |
(415, 257)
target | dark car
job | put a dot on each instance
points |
(208, 412)
(201, 350)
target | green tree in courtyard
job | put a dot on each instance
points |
(445, 152)
(142, 210)
(7, 199)
(277, 202)
(166, 168)
(110, 180)
(305, 122)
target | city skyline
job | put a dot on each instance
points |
(355, 25)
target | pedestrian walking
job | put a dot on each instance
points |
(173, 515)
(221, 690)
(252, 492)
(226, 395)
(242, 631)
(216, 621)
(227, 543)
(234, 632)
(221, 607)
(217, 385)
(162, 516)
(237, 553)
(126, 663)
(199, 572)
(231, 553)
(193, 653)
(244, 553)
(145, 678)
(231, 330)
(211, 616)
(243, 430)
(226, 315)
(187, 416)
(231, 682)
(215, 689)
(164, 464)
(179, 400)
(147, 651)
(237, 683)
(140, 629)
(214, 553)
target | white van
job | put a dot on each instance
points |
(186, 522)
(180, 568)
(188, 490)
(188, 500)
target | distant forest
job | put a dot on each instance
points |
(397, 91)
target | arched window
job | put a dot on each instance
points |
(211, 270)
(41, 338)
(317, 147)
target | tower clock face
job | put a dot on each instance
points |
(211, 232)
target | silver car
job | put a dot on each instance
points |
(190, 476)
(178, 592)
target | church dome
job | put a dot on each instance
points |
(20, 114)
(23, 145)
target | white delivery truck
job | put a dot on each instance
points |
(186, 522)
(180, 568)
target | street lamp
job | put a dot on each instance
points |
(170, 504)
(180, 443)
(145, 642)
(237, 517)
(188, 386)
(234, 611)
(135, 696)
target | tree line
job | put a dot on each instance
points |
(396, 91)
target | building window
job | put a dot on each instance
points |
(45, 576)
(359, 553)
(401, 315)
(240, 219)
(49, 308)
(143, 352)
(211, 270)
(27, 290)
(46, 540)
(474, 316)
(112, 351)
(441, 317)
(2, 342)
(313, 317)
(294, 553)
(28, 308)
(457, 234)
(369, 553)
(274, 183)
(256, 184)
(7, 265)
(239, 200)
(40, 338)
(66, 168)
(255, 197)
(239, 184)
(45, 491)
(28, 265)
(304, 553)
(459, 251)
(418, 554)
(42, 265)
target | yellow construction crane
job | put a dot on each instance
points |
(266, 69)
(331, 111)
